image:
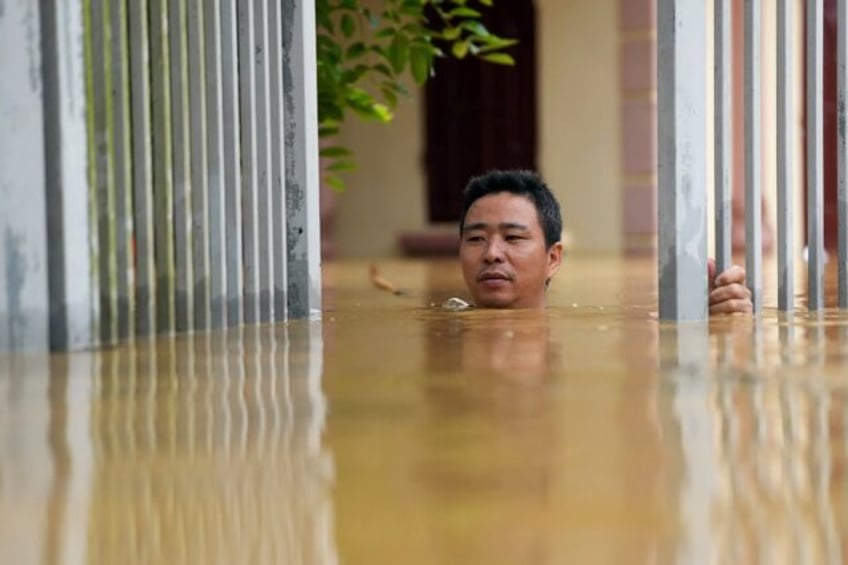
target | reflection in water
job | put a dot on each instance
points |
(504, 361)
(38, 445)
(515, 346)
(763, 456)
(195, 450)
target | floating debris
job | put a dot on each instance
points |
(455, 304)
(382, 283)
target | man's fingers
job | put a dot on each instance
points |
(735, 306)
(732, 307)
(733, 275)
(730, 292)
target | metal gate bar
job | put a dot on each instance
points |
(172, 168)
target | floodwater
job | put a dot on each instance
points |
(393, 432)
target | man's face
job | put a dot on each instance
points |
(504, 258)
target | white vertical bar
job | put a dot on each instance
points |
(23, 225)
(263, 159)
(815, 155)
(753, 152)
(723, 132)
(145, 274)
(232, 162)
(215, 165)
(303, 229)
(72, 288)
(121, 125)
(199, 168)
(842, 148)
(682, 202)
(785, 155)
(249, 184)
(181, 164)
(103, 167)
(163, 188)
(277, 169)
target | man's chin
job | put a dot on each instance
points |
(493, 300)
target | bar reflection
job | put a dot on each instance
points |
(200, 450)
(762, 448)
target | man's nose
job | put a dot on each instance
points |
(494, 251)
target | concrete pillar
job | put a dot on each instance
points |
(45, 294)
(682, 167)
(303, 227)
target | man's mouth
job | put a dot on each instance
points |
(493, 277)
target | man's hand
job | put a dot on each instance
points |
(728, 293)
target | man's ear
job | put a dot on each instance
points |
(554, 259)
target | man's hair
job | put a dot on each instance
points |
(523, 183)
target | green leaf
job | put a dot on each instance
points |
(341, 166)
(328, 131)
(323, 18)
(356, 50)
(460, 49)
(416, 30)
(451, 33)
(335, 183)
(384, 70)
(396, 87)
(420, 60)
(335, 151)
(499, 59)
(353, 75)
(390, 96)
(398, 52)
(348, 25)
(464, 12)
(411, 11)
(497, 45)
(391, 15)
(374, 111)
(478, 29)
(382, 113)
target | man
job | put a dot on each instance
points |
(510, 246)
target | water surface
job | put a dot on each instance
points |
(392, 432)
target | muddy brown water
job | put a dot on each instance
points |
(393, 432)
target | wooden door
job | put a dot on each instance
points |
(481, 116)
(830, 153)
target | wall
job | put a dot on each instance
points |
(386, 195)
(579, 117)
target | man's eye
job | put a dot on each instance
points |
(474, 238)
(514, 237)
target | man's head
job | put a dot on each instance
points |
(510, 239)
